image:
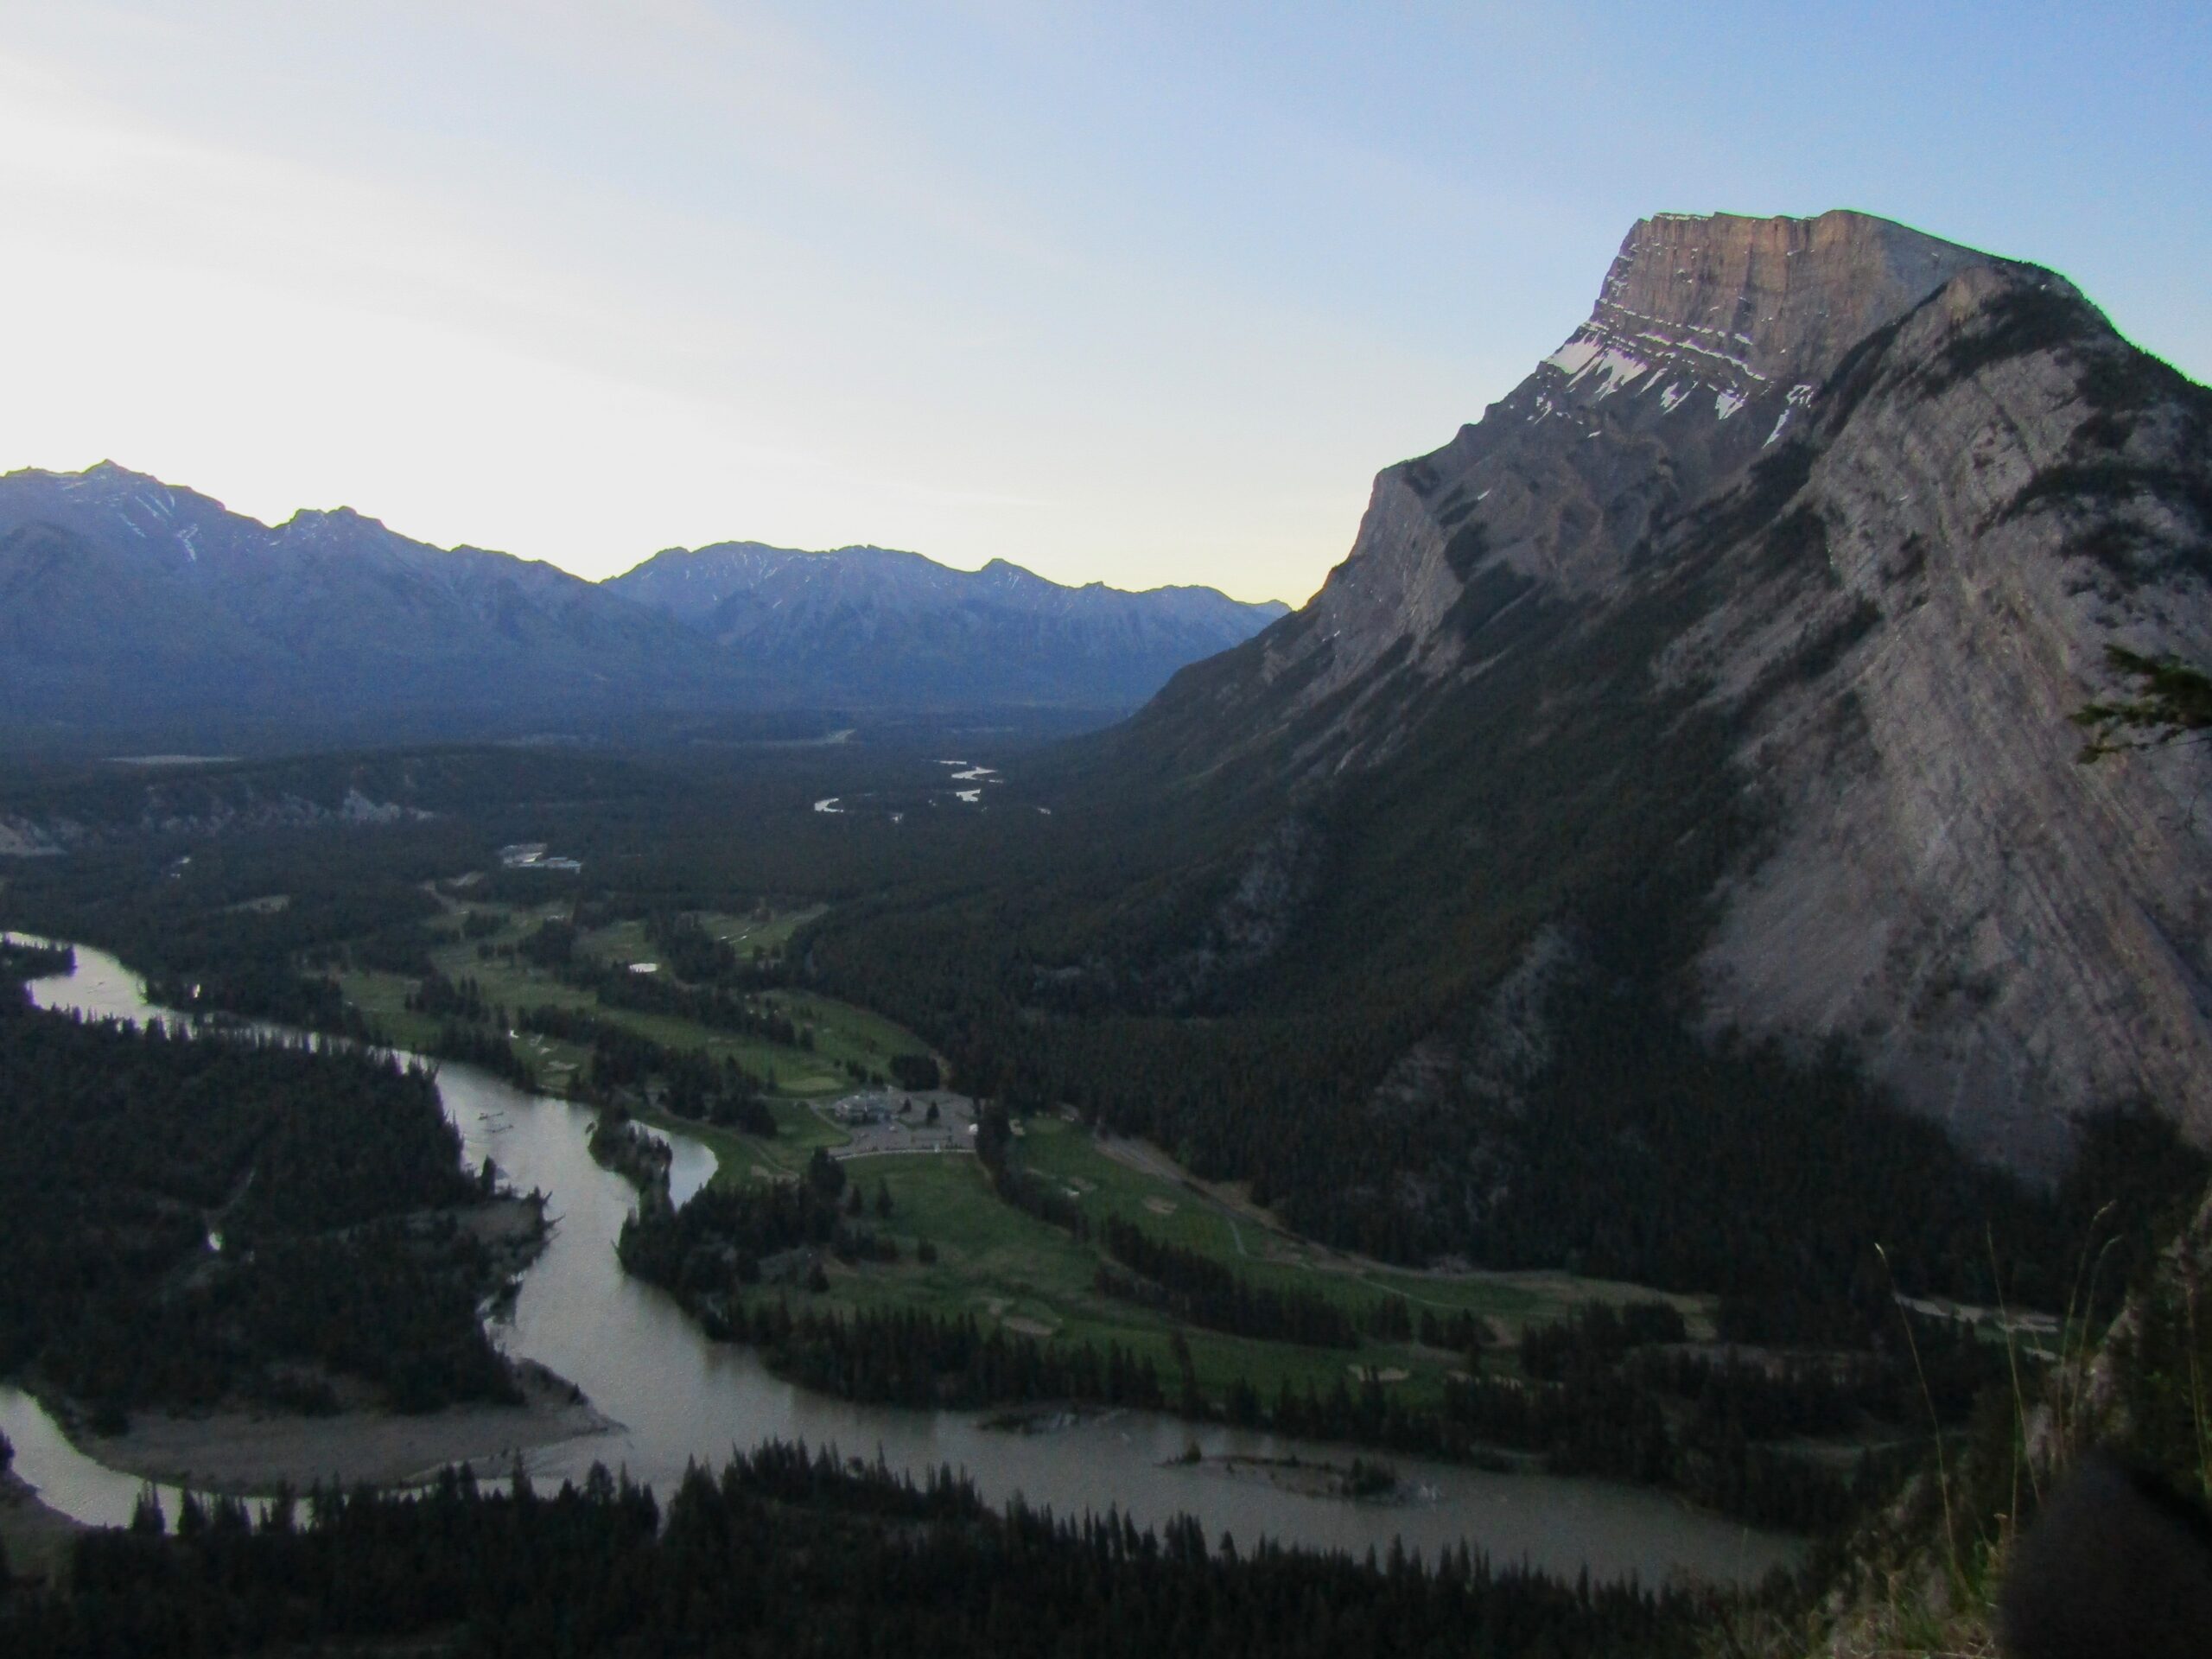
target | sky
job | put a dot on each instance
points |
(1133, 292)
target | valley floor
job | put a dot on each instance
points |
(1088, 1246)
(953, 1247)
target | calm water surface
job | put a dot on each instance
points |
(679, 1397)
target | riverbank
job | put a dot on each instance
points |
(252, 1452)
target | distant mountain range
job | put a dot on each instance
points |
(869, 626)
(128, 604)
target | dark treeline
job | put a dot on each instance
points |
(267, 991)
(487, 1051)
(682, 946)
(1032, 1195)
(1639, 1413)
(450, 999)
(552, 945)
(712, 1256)
(1186, 1283)
(461, 1034)
(909, 1358)
(697, 1086)
(21, 962)
(640, 1158)
(688, 951)
(1196, 1288)
(1597, 1334)
(916, 1072)
(712, 1249)
(787, 1551)
(708, 1006)
(329, 1175)
(693, 1084)
(1597, 1422)
(1784, 1398)
(1458, 1333)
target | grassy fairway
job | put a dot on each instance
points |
(995, 1262)
(841, 1034)
(1001, 1265)
(1174, 1207)
(1005, 1268)
(770, 933)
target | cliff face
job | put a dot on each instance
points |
(1876, 504)
(1709, 341)
(2006, 935)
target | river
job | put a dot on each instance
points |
(679, 1397)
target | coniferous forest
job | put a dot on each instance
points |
(786, 1552)
(191, 1219)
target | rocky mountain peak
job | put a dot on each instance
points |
(330, 521)
(109, 472)
(1744, 305)
(1708, 351)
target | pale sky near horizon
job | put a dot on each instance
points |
(1143, 294)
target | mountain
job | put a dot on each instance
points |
(1870, 507)
(124, 602)
(1679, 765)
(129, 605)
(868, 625)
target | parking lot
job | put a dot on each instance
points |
(883, 1121)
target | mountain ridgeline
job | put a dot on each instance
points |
(869, 626)
(1675, 779)
(130, 606)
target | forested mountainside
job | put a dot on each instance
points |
(132, 607)
(1675, 778)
